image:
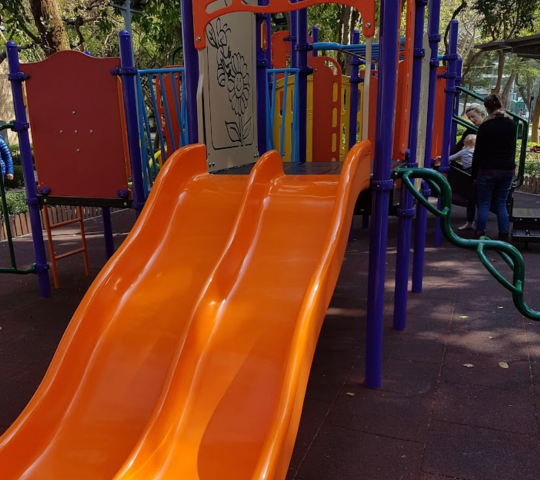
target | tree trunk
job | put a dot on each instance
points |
(500, 72)
(345, 34)
(471, 63)
(507, 89)
(535, 120)
(50, 26)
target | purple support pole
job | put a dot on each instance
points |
(293, 34)
(108, 231)
(382, 186)
(302, 48)
(355, 80)
(262, 81)
(21, 127)
(450, 91)
(128, 73)
(315, 39)
(459, 79)
(191, 66)
(406, 212)
(421, 213)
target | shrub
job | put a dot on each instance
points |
(16, 203)
(18, 179)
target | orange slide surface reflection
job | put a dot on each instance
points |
(189, 356)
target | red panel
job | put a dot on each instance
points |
(404, 91)
(281, 49)
(204, 11)
(76, 126)
(326, 109)
(438, 123)
(174, 129)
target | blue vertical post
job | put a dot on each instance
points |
(451, 68)
(382, 186)
(108, 232)
(355, 80)
(262, 81)
(406, 211)
(315, 39)
(459, 79)
(421, 212)
(293, 35)
(21, 127)
(129, 74)
(191, 69)
(302, 50)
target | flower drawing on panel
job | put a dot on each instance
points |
(232, 73)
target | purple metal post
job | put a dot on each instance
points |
(421, 213)
(21, 127)
(262, 81)
(315, 39)
(191, 68)
(128, 74)
(406, 210)
(293, 35)
(450, 91)
(459, 78)
(302, 50)
(108, 231)
(355, 80)
(382, 186)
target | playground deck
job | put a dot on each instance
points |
(447, 409)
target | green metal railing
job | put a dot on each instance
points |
(5, 214)
(511, 255)
(522, 127)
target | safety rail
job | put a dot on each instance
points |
(283, 111)
(4, 210)
(165, 100)
(522, 127)
(510, 254)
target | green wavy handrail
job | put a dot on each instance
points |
(509, 253)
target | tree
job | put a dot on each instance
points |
(52, 31)
(503, 19)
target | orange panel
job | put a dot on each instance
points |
(76, 126)
(404, 91)
(438, 123)
(174, 129)
(189, 356)
(281, 50)
(204, 11)
(326, 109)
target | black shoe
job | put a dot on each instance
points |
(503, 236)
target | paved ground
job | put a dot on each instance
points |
(434, 417)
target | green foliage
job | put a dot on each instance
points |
(18, 178)
(532, 161)
(506, 18)
(16, 203)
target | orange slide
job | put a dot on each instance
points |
(189, 356)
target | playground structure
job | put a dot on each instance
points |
(162, 402)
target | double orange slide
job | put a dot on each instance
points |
(189, 356)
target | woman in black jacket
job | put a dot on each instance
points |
(494, 165)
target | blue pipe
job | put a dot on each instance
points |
(449, 109)
(421, 213)
(355, 80)
(129, 84)
(406, 211)
(302, 50)
(191, 67)
(16, 78)
(382, 186)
